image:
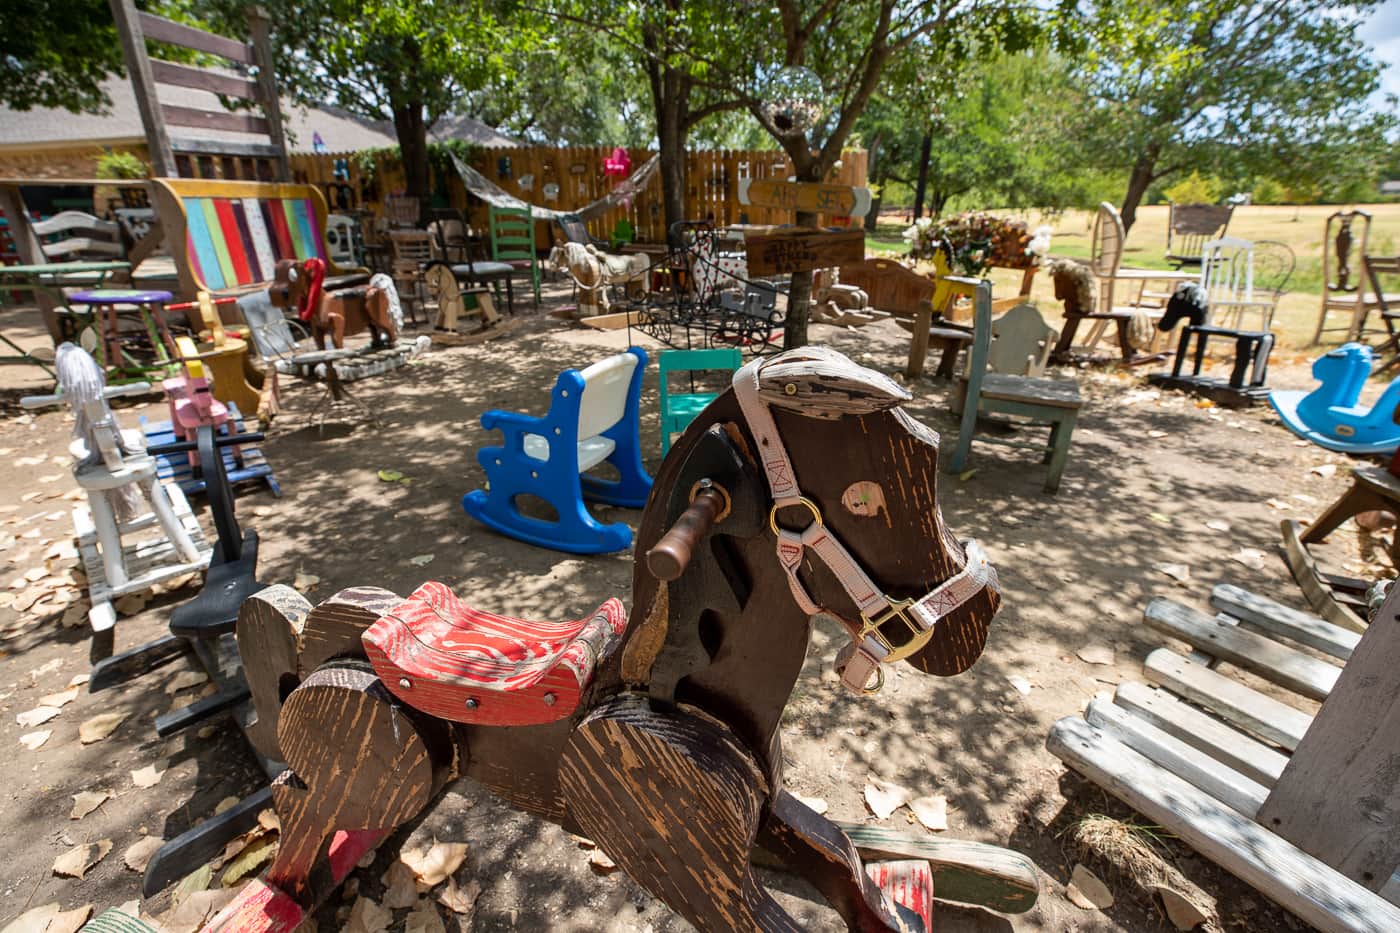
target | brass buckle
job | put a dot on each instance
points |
(801, 500)
(895, 609)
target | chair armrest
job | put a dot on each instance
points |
(512, 421)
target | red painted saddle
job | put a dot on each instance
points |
(439, 655)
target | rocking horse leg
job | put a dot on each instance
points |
(676, 801)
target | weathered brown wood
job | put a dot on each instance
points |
(1339, 796)
(669, 557)
(203, 79)
(812, 197)
(213, 120)
(269, 630)
(784, 252)
(334, 627)
(1311, 581)
(163, 30)
(131, 29)
(260, 28)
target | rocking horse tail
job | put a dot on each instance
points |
(675, 800)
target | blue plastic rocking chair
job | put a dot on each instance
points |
(1329, 415)
(594, 417)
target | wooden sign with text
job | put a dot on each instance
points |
(801, 250)
(841, 200)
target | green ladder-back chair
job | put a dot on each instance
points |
(513, 242)
(1045, 402)
(678, 409)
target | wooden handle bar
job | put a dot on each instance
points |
(668, 559)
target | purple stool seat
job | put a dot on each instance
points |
(125, 296)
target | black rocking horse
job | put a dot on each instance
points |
(804, 489)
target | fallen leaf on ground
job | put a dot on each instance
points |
(190, 914)
(1156, 433)
(192, 883)
(1324, 470)
(367, 917)
(139, 853)
(424, 919)
(966, 475)
(1181, 910)
(35, 574)
(583, 842)
(1021, 684)
(1178, 572)
(99, 727)
(400, 886)
(32, 740)
(225, 804)
(421, 560)
(600, 863)
(150, 775)
(33, 920)
(460, 900)
(253, 856)
(932, 811)
(389, 476)
(1160, 518)
(1087, 891)
(1250, 557)
(1096, 654)
(433, 865)
(269, 821)
(70, 921)
(60, 699)
(79, 679)
(304, 582)
(1278, 504)
(130, 604)
(87, 801)
(76, 861)
(36, 716)
(185, 680)
(883, 798)
(815, 804)
(1218, 525)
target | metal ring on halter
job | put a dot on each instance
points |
(879, 681)
(801, 500)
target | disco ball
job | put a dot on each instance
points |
(793, 101)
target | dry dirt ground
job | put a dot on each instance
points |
(1147, 472)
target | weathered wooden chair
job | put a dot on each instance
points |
(124, 496)
(1346, 241)
(594, 416)
(1052, 402)
(512, 238)
(1303, 807)
(1190, 227)
(914, 302)
(1021, 345)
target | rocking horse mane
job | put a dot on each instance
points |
(386, 285)
(1074, 285)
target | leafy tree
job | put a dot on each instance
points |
(1193, 189)
(57, 53)
(1227, 88)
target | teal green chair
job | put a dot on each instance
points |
(678, 409)
(512, 232)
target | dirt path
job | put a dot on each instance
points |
(1146, 472)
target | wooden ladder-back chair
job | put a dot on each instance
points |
(512, 233)
(1190, 227)
(403, 211)
(451, 240)
(1345, 243)
(412, 251)
(75, 236)
(1051, 402)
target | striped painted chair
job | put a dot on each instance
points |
(235, 232)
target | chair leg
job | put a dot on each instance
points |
(109, 539)
(1060, 453)
(1353, 502)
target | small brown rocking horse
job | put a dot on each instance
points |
(804, 489)
(342, 313)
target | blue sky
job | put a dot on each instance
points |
(1382, 31)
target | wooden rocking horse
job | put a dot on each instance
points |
(626, 728)
(341, 313)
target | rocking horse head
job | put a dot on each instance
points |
(1074, 285)
(297, 284)
(1188, 303)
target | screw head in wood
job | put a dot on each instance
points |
(405, 683)
(790, 388)
(472, 703)
(549, 699)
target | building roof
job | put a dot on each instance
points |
(121, 125)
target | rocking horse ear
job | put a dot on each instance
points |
(820, 383)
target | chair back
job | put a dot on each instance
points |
(573, 228)
(1191, 226)
(340, 239)
(1347, 234)
(604, 401)
(981, 348)
(1274, 263)
(727, 359)
(449, 236)
(1106, 251)
(402, 210)
(1227, 270)
(267, 327)
(70, 236)
(1021, 342)
(411, 246)
(512, 234)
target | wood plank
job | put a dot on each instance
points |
(1061, 393)
(1277, 663)
(811, 197)
(790, 251)
(1315, 893)
(214, 120)
(163, 30)
(1225, 744)
(203, 79)
(1229, 699)
(1309, 577)
(1339, 797)
(1278, 619)
(1190, 764)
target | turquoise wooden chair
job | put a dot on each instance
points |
(678, 409)
(512, 232)
(1043, 402)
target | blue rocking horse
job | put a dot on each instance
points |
(1329, 415)
(594, 417)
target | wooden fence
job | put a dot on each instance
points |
(571, 178)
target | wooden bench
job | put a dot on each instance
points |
(1297, 805)
(234, 232)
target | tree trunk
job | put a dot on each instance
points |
(799, 297)
(412, 131)
(670, 135)
(875, 179)
(922, 184)
(1138, 181)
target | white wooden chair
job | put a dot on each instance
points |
(340, 240)
(124, 494)
(1227, 276)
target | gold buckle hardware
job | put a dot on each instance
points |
(895, 609)
(801, 500)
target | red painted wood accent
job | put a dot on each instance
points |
(437, 654)
(908, 883)
(228, 227)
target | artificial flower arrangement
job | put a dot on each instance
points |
(979, 241)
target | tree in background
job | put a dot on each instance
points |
(1226, 87)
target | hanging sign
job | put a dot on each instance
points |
(805, 196)
(787, 251)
